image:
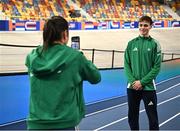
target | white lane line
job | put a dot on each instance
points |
(110, 108)
(172, 98)
(168, 89)
(13, 122)
(169, 119)
(114, 122)
(168, 79)
(107, 99)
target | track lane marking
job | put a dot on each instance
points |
(114, 122)
(169, 119)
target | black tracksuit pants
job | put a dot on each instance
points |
(150, 102)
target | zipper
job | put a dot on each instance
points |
(141, 60)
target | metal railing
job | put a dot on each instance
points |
(13, 57)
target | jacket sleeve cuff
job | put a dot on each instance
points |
(142, 83)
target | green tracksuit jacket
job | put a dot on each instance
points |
(56, 80)
(142, 61)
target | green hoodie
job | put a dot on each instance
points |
(142, 61)
(56, 80)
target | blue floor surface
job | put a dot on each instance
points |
(14, 90)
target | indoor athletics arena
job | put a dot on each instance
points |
(104, 27)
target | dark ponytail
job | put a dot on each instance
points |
(53, 29)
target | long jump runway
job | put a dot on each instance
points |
(112, 114)
(115, 117)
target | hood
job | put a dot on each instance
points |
(52, 60)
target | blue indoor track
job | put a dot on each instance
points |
(106, 104)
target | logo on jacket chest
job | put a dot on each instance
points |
(149, 49)
(136, 49)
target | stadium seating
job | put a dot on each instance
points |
(99, 10)
(175, 5)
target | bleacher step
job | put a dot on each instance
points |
(171, 12)
(81, 10)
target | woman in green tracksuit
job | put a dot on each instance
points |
(56, 74)
(142, 62)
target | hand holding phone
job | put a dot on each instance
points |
(75, 42)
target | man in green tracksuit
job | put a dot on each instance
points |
(56, 74)
(142, 62)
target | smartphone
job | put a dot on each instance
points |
(75, 42)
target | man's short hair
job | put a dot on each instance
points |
(146, 18)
